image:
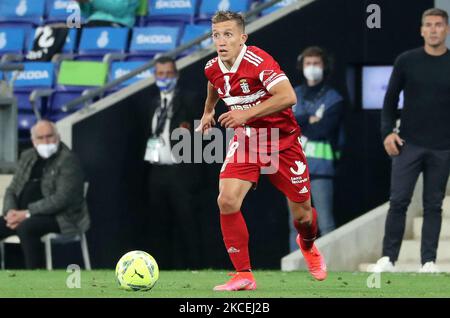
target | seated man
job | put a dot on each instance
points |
(46, 194)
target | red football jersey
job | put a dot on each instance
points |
(246, 85)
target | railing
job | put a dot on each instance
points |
(173, 53)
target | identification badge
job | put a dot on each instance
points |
(153, 148)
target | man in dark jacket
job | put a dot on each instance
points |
(319, 113)
(46, 194)
(173, 226)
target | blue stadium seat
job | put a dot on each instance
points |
(60, 10)
(209, 7)
(11, 40)
(36, 76)
(95, 42)
(60, 98)
(71, 41)
(276, 6)
(119, 69)
(193, 31)
(30, 11)
(149, 41)
(169, 10)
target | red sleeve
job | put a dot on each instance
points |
(269, 71)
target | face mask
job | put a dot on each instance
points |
(46, 150)
(166, 84)
(313, 73)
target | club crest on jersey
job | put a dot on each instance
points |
(244, 86)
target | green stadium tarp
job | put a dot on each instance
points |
(81, 73)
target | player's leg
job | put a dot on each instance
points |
(292, 178)
(232, 192)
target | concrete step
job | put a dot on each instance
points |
(446, 206)
(407, 267)
(445, 228)
(410, 251)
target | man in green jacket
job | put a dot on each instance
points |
(46, 194)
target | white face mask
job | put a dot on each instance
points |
(313, 73)
(46, 150)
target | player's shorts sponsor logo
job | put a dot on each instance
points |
(297, 180)
(301, 167)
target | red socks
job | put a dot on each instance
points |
(308, 232)
(235, 236)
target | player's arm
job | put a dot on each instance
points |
(207, 120)
(283, 96)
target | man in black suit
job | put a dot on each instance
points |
(174, 226)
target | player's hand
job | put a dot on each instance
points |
(206, 122)
(391, 143)
(314, 119)
(233, 118)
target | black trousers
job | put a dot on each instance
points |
(406, 167)
(173, 225)
(30, 232)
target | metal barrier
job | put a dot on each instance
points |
(8, 118)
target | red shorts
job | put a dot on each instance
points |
(287, 170)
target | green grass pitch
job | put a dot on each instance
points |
(199, 284)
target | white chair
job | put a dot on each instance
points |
(56, 238)
(48, 240)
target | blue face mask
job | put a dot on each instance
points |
(166, 84)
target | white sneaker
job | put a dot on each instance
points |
(429, 267)
(382, 265)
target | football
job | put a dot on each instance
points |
(137, 270)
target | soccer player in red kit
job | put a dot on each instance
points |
(259, 97)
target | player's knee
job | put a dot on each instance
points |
(228, 203)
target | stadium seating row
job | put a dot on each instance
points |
(52, 85)
(93, 43)
(40, 12)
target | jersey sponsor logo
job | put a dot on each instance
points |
(239, 100)
(301, 167)
(243, 107)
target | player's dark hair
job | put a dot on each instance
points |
(166, 59)
(435, 12)
(223, 16)
(316, 51)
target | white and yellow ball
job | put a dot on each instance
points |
(137, 270)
